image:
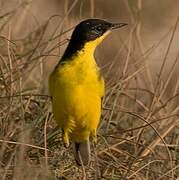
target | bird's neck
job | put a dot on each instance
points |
(76, 46)
(81, 49)
(82, 58)
(87, 50)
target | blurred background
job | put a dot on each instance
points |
(141, 108)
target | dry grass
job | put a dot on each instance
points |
(138, 136)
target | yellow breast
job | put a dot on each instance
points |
(76, 87)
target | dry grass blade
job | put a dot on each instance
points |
(138, 136)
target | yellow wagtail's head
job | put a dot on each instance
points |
(89, 32)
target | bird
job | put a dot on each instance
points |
(77, 87)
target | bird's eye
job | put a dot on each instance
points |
(99, 28)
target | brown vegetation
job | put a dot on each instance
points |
(138, 136)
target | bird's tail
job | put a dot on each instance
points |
(82, 152)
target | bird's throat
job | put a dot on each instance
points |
(83, 48)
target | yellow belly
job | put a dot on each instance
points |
(76, 92)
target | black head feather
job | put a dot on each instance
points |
(86, 31)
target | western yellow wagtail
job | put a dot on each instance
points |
(77, 87)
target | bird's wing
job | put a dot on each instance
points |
(101, 84)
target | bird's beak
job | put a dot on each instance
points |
(118, 25)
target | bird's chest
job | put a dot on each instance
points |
(78, 74)
(76, 87)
